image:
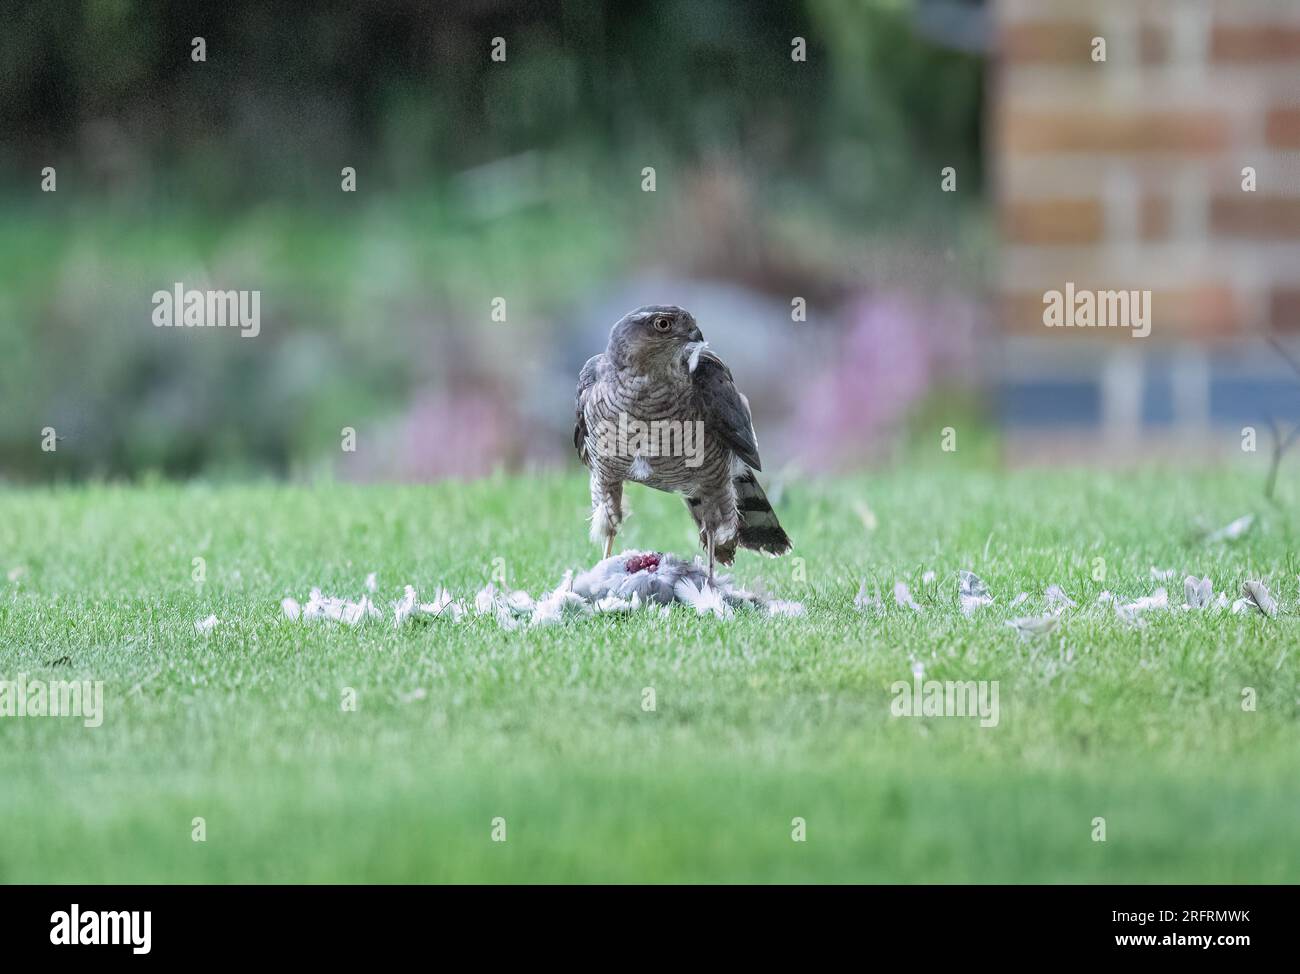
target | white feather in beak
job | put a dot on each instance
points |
(694, 350)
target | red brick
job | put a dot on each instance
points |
(1252, 43)
(1154, 44)
(1200, 311)
(1284, 309)
(1283, 128)
(1138, 132)
(1053, 221)
(1256, 217)
(1048, 41)
(1070, 43)
(1155, 219)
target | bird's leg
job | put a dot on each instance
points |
(709, 544)
(606, 512)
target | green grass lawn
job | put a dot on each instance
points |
(757, 721)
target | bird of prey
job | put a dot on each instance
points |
(658, 407)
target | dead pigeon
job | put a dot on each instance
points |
(647, 574)
(660, 578)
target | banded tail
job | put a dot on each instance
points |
(759, 528)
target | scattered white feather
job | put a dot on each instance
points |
(903, 596)
(562, 604)
(928, 577)
(868, 601)
(1132, 611)
(1018, 599)
(510, 609)
(205, 626)
(443, 606)
(972, 593)
(1256, 594)
(354, 613)
(918, 670)
(1233, 530)
(1056, 598)
(291, 609)
(520, 603)
(778, 607)
(372, 582)
(1034, 625)
(640, 469)
(485, 600)
(507, 608)
(865, 514)
(1161, 574)
(1159, 599)
(337, 610)
(1199, 592)
(316, 607)
(405, 607)
(1107, 597)
(705, 599)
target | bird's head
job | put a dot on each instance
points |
(652, 335)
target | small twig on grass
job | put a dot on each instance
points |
(1281, 443)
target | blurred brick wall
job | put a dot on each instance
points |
(1128, 173)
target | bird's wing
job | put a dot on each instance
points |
(721, 406)
(586, 379)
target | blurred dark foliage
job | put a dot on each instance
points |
(406, 89)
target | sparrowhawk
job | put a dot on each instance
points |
(658, 407)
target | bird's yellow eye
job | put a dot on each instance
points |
(662, 324)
